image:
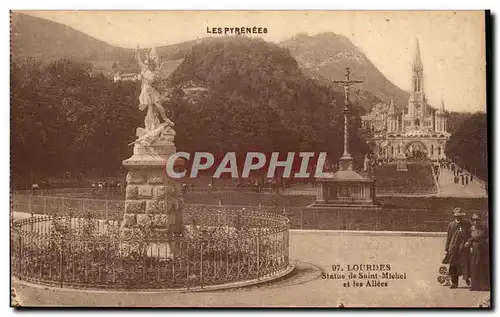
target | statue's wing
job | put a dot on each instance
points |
(167, 68)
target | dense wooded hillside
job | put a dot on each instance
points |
(63, 119)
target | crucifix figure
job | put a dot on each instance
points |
(346, 159)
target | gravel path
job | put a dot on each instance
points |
(418, 257)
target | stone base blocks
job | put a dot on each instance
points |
(151, 196)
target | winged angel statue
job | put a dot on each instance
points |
(154, 92)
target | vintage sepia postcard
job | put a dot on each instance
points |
(249, 159)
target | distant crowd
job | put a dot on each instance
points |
(258, 185)
(460, 175)
(113, 186)
(107, 187)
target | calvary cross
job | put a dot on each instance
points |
(347, 83)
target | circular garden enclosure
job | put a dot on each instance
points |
(82, 246)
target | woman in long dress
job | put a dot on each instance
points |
(478, 243)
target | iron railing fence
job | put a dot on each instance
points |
(59, 205)
(88, 192)
(384, 219)
(217, 246)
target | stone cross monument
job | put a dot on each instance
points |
(346, 161)
(346, 188)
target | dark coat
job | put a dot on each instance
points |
(457, 235)
(478, 244)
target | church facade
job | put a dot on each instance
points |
(417, 130)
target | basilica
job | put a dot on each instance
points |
(416, 129)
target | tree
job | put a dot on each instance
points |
(468, 146)
(64, 120)
(259, 101)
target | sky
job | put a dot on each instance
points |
(452, 43)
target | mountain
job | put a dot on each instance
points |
(48, 40)
(40, 38)
(256, 99)
(322, 57)
(325, 57)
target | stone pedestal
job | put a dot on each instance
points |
(346, 188)
(401, 165)
(150, 194)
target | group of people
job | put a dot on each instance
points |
(186, 187)
(242, 185)
(385, 160)
(467, 251)
(460, 176)
(446, 163)
(48, 184)
(106, 187)
(260, 185)
(379, 161)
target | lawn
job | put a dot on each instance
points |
(417, 180)
(434, 203)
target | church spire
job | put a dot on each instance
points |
(417, 63)
(418, 75)
(441, 109)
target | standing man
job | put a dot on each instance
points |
(455, 253)
(366, 163)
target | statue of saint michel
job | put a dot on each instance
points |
(153, 93)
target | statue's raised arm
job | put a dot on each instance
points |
(138, 58)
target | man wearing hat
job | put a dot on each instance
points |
(455, 252)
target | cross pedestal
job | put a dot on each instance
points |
(346, 189)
